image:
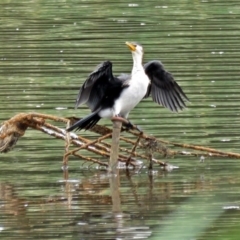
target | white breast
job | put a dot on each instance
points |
(132, 95)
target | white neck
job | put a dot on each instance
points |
(137, 62)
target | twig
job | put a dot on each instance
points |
(13, 129)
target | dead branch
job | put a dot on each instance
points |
(142, 147)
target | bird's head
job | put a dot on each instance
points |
(137, 52)
(135, 48)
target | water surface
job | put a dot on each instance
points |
(48, 48)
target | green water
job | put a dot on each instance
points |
(47, 49)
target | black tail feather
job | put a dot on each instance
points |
(85, 123)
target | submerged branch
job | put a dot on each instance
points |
(143, 147)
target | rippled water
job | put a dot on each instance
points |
(47, 48)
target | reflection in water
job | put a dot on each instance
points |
(74, 196)
(114, 188)
(87, 207)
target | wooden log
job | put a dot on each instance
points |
(113, 161)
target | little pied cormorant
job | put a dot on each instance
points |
(109, 97)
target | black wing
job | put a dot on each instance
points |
(163, 88)
(99, 86)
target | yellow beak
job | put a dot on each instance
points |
(131, 46)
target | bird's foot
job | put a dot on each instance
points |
(130, 126)
(126, 123)
(138, 128)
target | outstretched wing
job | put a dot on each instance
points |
(92, 90)
(163, 88)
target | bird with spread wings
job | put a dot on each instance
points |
(109, 96)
